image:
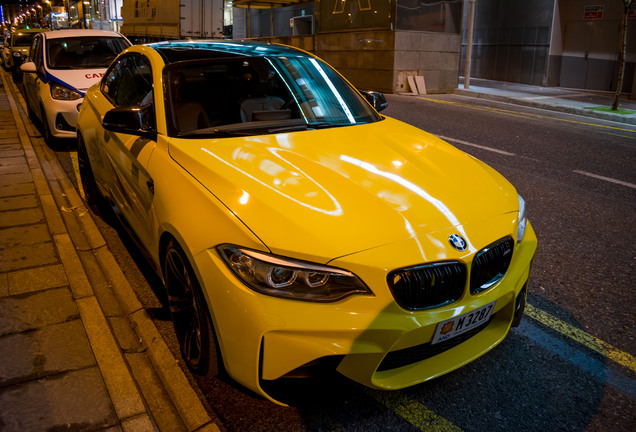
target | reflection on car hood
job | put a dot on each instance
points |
(328, 193)
(76, 79)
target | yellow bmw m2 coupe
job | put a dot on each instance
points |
(296, 229)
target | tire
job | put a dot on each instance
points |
(189, 313)
(91, 193)
(46, 130)
(32, 116)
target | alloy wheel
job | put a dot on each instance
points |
(189, 314)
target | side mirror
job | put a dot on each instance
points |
(133, 120)
(28, 67)
(376, 99)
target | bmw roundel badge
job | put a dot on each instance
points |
(457, 242)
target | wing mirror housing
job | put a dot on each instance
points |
(28, 67)
(132, 120)
(376, 99)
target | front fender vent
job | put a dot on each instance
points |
(428, 286)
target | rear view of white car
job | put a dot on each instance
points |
(62, 65)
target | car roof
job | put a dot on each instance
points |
(29, 30)
(175, 51)
(81, 33)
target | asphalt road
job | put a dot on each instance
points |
(570, 365)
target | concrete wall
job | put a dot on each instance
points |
(306, 43)
(365, 58)
(381, 60)
(378, 59)
(435, 56)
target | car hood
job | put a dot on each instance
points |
(327, 193)
(76, 79)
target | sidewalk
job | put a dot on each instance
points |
(571, 101)
(79, 352)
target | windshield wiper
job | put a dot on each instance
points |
(309, 126)
(214, 133)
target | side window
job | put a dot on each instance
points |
(129, 82)
(36, 52)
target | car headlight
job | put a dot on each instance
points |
(61, 92)
(290, 279)
(523, 219)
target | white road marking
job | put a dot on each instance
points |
(607, 179)
(494, 150)
(476, 145)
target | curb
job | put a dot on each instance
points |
(122, 387)
(519, 100)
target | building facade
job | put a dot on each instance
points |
(375, 44)
(554, 43)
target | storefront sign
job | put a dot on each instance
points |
(593, 12)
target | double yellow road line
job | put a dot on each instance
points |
(511, 113)
(427, 420)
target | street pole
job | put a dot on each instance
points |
(621, 55)
(469, 43)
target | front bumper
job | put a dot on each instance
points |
(61, 115)
(266, 338)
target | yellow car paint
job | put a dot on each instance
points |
(368, 198)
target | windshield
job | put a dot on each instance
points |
(83, 52)
(257, 95)
(23, 39)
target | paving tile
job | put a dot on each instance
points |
(4, 284)
(18, 202)
(16, 178)
(11, 152)
(35, 310)
(12, 161)
(50, 350)
(23, 235)
(159, 403)
(101, 287)
(9, 146)
(121, 387)
(17, 189)
(21, 217)
(22, 257)
(51, 404)
(36, 279)
(9, 134)
(14, 168)
(140, 423)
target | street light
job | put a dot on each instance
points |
(88, 18)
(47, 17)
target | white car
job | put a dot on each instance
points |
(62, 65)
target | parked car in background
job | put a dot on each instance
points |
(18, 45)
(296, 229)
(6, 51)
(62, 65)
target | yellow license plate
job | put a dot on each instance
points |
(461, 324)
